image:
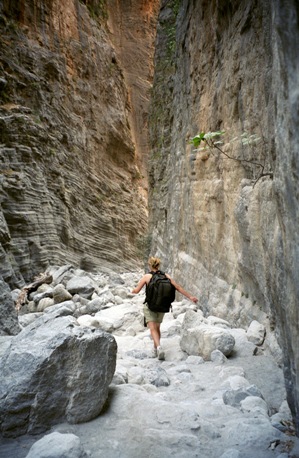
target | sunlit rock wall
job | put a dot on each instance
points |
(70, 181)
(133, 31)
(225, 232)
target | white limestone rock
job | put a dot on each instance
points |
(88, 320)
(235, 382)
(256, 333)
(284, 410)
(218, 357)
(242, 345)
(28, 318)
(234, 397)
(57, 445)
(62, 309)
(231, 453)
(118, 300)
(121, 291)
(255, 405)
(60, 294)
(120, 375)
(44, 304)
(192, 359)
(130, 332)
(105, 324)
(121, 317)
(201, 339)
(215, 321)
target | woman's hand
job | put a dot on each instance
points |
(193, 299)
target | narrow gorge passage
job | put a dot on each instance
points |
(165, 128)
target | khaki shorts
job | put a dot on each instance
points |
(156, 317)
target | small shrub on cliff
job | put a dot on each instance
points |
(212, 141)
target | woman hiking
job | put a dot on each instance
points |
(154, 319)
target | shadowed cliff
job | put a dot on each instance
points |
(215, 222)
(70, 179)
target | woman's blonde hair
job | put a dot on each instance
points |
(154, 262)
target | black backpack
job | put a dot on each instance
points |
(160, 293)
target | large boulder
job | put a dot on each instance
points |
(120, 318)
(200, 339)
(54, 371)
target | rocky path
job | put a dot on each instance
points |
(183, 406)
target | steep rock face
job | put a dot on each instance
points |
(70, 186)
(133, 32)
(227, 232)
(9, 324)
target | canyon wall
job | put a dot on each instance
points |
(75, 83)
(72, 180)
(227, 229)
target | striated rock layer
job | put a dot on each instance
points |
(70, 186)
(229, 232)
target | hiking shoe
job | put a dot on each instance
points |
(154, 353)
(161, 354)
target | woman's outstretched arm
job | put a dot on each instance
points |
(181, 290)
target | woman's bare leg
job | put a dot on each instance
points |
(155, 332)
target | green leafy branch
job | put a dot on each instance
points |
(212, 141)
